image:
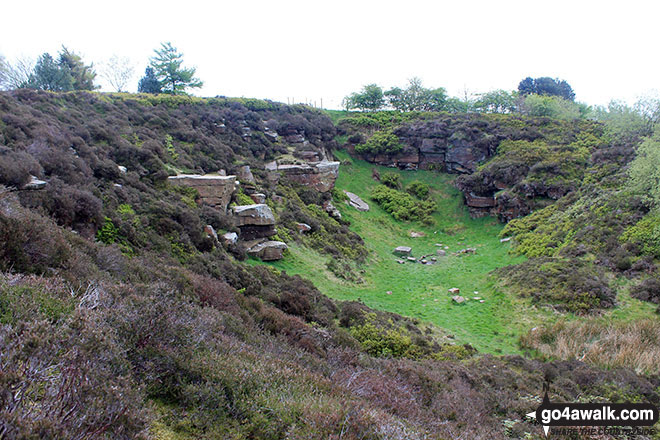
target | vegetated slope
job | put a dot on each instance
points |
(595, 247)
(422, 291)
(589, 234)
(122, 319)
(414, 289)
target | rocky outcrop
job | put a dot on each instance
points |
(258, 197)
(258, 214)
(503, 205)
(213, 190)
(35, 184)
(318, 175)
(302, 147)
(229, 238)
(480, 206)
(407, 159)
(210, 231)
(331, 210)
(303, 227)
(453, 143)
(475, 201)
(245, 175)
(356, 202)
(268, 250)
(254, 221)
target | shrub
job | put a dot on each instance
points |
(646, 232)
(356, 138)
(454, 352)
(569, 284)
(108, 233)
(391, 180)
(25, 298)
(338, 196)
(647, 290)
(551, 106)
(643, 171)
(69, 205)
(342, 270)
(242, 199)
(31, 244)
(16, 167)
(383, 343)
(403, 206)
(74, 379)
(328, 235)
(418, 189)
(382, 142)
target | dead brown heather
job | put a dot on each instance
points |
(634, 345)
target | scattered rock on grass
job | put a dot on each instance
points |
(356, 202)
(454, 290)
(403, 250)
(458, 299)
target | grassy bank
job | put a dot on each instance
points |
(421, 291)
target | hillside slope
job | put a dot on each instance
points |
(123, 317)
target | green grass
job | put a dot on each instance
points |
(336, 115)
(421, 291)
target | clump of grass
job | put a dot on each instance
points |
(634, 345)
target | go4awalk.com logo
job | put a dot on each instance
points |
(595, 418)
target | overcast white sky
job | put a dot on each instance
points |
(311, 50)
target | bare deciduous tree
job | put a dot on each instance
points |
(118, 71)
(3, 70)
(15, 75)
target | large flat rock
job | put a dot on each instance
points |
(245, 175)
(475, 201)
(268, 250)
(403, 250)
(35, 184)
(214, 190)
(318, 175)
(258, 214)
(356, 202)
